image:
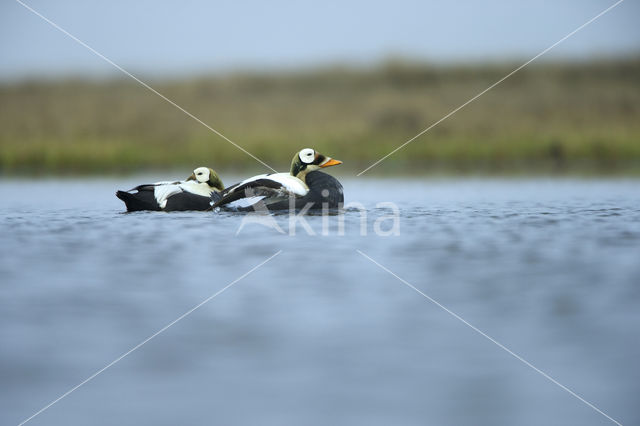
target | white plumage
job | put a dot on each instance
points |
(164, 190)
(288, 182)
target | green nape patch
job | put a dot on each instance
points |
(550, 118)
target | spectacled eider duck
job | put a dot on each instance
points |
(305, 183)
(194, 193)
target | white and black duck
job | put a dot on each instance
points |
(304, 186)
(195, 193)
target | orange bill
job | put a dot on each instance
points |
(331, 162)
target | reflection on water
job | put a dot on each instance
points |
(321, 335)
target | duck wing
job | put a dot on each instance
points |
(169, 196)
(268, 188)
(324, 191)
(162, 191)
(152, 186)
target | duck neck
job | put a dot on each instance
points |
(302, 175)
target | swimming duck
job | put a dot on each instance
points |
(194, 193)
(304, 182)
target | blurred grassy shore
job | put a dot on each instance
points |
(572, 118)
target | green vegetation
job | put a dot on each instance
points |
(551, 118)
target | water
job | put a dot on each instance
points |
(320, 334)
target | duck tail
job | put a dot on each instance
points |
(142, 200)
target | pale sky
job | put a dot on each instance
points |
(167, 38)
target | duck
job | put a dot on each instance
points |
(194, 193)
(305, 186)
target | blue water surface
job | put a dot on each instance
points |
(320, 334)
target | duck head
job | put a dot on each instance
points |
(208, 176)
(309, 160)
